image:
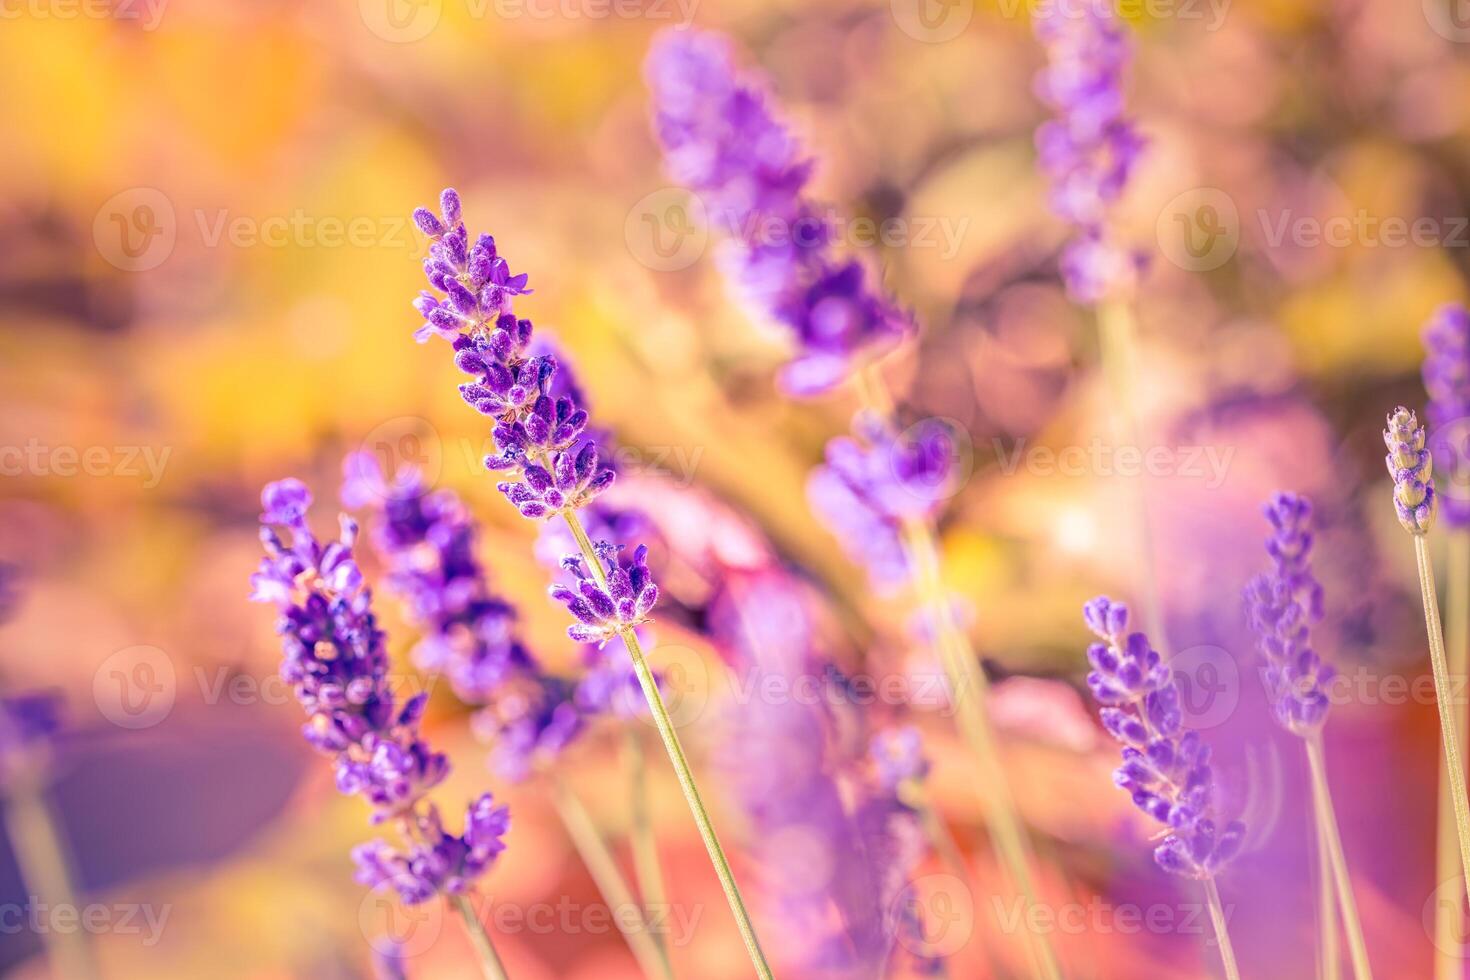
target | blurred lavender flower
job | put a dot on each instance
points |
(428, 541)
(1412, 469)
(898, 756)
(1091, 147)
(1281, 607)
(29, 722)
(389, 962)
(722, 141)
(337, 664)
(1447, 382)
(875, 481)
(1166, 768)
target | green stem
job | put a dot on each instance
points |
(1329, 966)
(969, 688)
(490, 963)
(597, 857)
(1449, 910)
(1118, 346)
(42, 857)
(646, 864)
(1443, 697)
(1222, 931)
(1327, 830)
(682, 770)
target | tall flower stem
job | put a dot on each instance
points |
(598, 859)
(1449, 911)
(1443, 696)
(1222, 930)
(680, 763)
(1328, 964)
(490, 963)
(1117, 333)
(44, 866)
(969, 689)
(646, 864)
(1328, 832)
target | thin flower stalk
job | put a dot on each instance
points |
(1412, 468)
(1282, 605)
(553, 468)
(1446, 373)
(1329, 953)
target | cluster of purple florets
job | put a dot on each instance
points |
(721, 140)
(1091, 147)
(337, 664)
(1282, 606)
(876, 480)
(1447, 382)
(1166, 767)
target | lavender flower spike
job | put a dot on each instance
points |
(1412, 469)
(1166, 767)
(722, 140)
(1282, 605)
(1447, 381)
(1089, 150)
(606, 610)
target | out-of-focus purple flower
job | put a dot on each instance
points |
(1412, 470)
(389, 962)
(621, 602)
(1166, 767)
(437, 863)
(10, 592)
(428, 542)
(721, 140)
(875, 481)
(1447, 382)
(898, 756)
(1089, 149)
(1282, 606)
(29, 723)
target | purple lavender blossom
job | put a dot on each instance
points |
(29, 724)
(1447, 381)
(540, 432)
(721, 140)
(337, 664)
(428, 541)
(437, 862)
(898, 756)
(872, 484)
(1282, 605)
(1412, 469)
(606, 608)
(1089, 150)
(1166, 767)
